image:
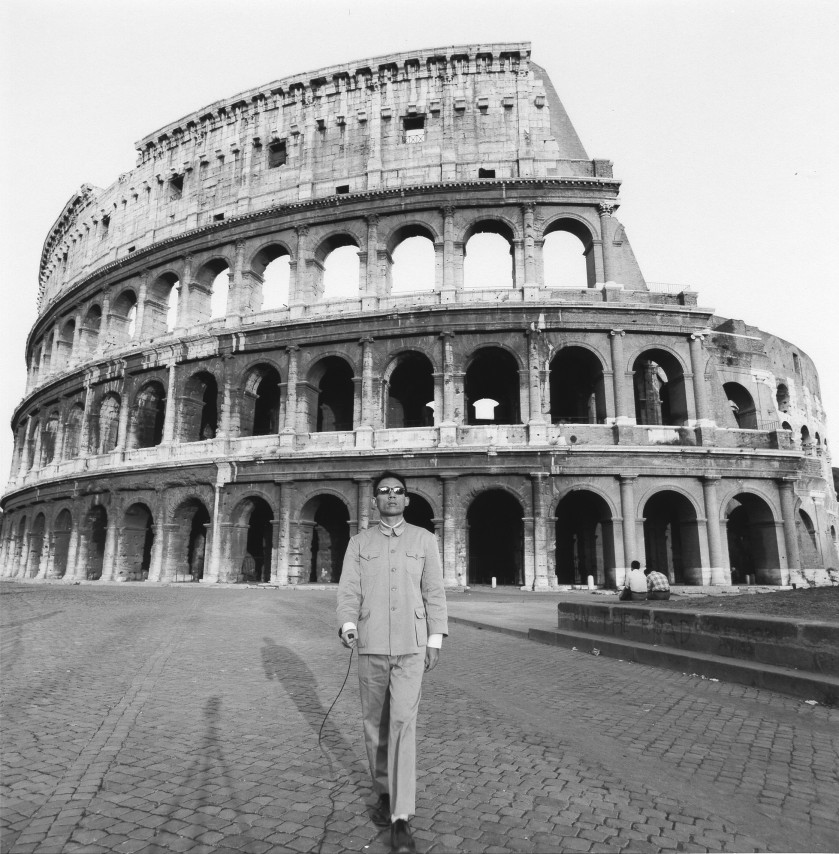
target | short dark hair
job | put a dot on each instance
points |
(648, 570)
(636, 564)
(386, 474)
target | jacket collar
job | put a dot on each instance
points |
(392, 530)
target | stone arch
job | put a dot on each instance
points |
(209, 294)
(560, 268)
(808, 541)
(742, 405)
(419, 512)
(492, 374)
(252, 533)
(270, 266)
(162, 306)
(495, 529)
(259, 412)
(49, 434)
(73, 432)
(106, 424)
(751, 539)
(408, 391)
(585, 539)
(340, 277)
(122, 322)
(34, 445)
(199, 415)
(489, 265)
(671, 536)
(330, 395)
(322, 537)
(89, 330)
(782, 399)
(577, 386)
(61, 530)
(149, 415)
(411, 258)
(136, 541)
(659, 387)
(92, 543)
(64, 342)
(186, 542)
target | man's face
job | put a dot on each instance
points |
(389, 504)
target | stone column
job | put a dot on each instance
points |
(451, 576)
(786, 491)
(619, 377)
(142, 296)
(73, 549)
(170, 415)
(446, 422)
(84, 438)
(720, 574)
(124, 412)
(372, 286)
(184, 309)
(77, 332)
(289, 430)
(449, 282)
(299, 286)
(111, 538)
(25, 452)
(540, 534)
(697, 367)
(530, 276)
(605, 210)
(225, 420)
(364, 502)
(364, 427)
(238, 302)
(536, 420)
(627, 482)
(280, 570)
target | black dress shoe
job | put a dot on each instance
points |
(380, 814)
(401, 841)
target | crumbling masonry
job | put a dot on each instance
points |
(184, 422)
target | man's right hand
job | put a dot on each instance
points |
(348, 638)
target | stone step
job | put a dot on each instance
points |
(808, 686)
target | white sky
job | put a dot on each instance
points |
(722, 119)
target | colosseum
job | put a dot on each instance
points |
(408, 263)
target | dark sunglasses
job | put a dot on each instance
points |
(392, 490)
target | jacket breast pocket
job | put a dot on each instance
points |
(415, 563)
(421, 626)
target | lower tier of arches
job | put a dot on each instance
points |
(535, 529)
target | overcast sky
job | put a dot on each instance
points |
(722, 119)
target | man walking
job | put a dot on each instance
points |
(391, 603)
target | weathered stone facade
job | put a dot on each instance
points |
(163, 439)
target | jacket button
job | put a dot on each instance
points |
(393, 588)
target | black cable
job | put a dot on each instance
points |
(340, 691)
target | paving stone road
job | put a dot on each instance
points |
(186, 718)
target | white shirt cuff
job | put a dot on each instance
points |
(346, 627)
(435, 641)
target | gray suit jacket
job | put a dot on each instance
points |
(391, 587)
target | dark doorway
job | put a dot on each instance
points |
(496, 539)
(419, 513)
(584, 540)
(330, 535)
(671, 538)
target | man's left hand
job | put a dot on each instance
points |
(432, 656)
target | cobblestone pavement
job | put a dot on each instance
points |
(186, 718)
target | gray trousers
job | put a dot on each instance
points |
(391, 686)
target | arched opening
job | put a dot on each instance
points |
(577, 390)
(135, 544)
(567, 255)
(48, 436)
(160, 313)
(785, 425)
(94, 542)
(492, 375)
(208, 293)
(73, 432)
(199, 408)
(742, 406)
(64, 344)
(123, 319)
(584, 540)
(19, 548)
(61, 543)
(808, 544)
(671, 537)
(752, 541)
(187, 542)
(341, 269)
(331, 396)
(488, 256)
(805, 438)
(36, 546)
(414, 260)
(251, 551)
(324, 531)
(89, 330)
(410, 392)
(496, 539)
(659, 385)
(272, 265)
(419, 512)
(149, 415)
(260, 412)
(107, 423)
(34, 447)
(782, 397)
(219, 293)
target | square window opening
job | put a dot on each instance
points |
(277, 154)
(486, 173)
(176, 187)
(218, 217)
(413, 128)
(342, 189)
